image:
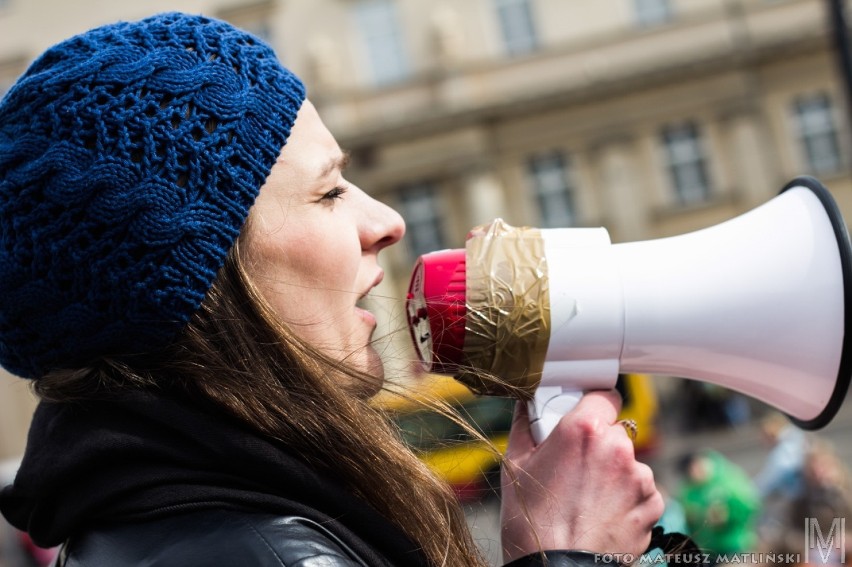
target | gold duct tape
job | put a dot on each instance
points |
(507, 327)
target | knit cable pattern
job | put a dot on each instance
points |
(129, 158)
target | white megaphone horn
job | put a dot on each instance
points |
(758, 304)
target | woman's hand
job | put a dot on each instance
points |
(581, 489)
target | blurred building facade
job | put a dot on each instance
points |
(648, 117)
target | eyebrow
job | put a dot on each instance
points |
(336, 163)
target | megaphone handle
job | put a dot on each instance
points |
(547, 407)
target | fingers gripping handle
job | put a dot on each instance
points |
(547, 407)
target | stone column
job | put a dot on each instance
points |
(751, 173)
(485, 199)
(622, 200)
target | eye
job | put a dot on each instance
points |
(334, 194)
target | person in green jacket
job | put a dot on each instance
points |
(721, 504)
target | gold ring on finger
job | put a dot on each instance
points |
(630, 427)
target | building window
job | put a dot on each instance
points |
(652, 12)
(377, 22)
(817, 132)
(551, 178)
(516, 23)
(420, 207)
(687, 163)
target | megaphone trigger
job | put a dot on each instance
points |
(547, 407)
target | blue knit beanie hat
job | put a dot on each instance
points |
(129, 158)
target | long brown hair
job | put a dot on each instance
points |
(235, 353)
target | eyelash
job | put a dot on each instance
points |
(334, 194)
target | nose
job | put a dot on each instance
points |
(381, 226)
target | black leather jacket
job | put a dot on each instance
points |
(226, 538)
(145, 480)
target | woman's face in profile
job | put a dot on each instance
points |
(313, 245)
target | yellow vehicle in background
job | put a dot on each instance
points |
(469, 465)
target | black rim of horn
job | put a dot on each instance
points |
(845, 249)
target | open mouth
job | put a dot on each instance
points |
(363, 302)
(364, 306)
(366, 302)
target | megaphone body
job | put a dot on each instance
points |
(758, 304)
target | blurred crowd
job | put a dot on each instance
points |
(801, 497)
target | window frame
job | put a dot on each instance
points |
(649, 13)
(687, 162)
(809, 133)
(382, 42)
(516, 44)
(541, 169)
(418, 223)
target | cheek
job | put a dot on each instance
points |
(306, 276)
(328, 266)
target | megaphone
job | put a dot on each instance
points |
(758, 304)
